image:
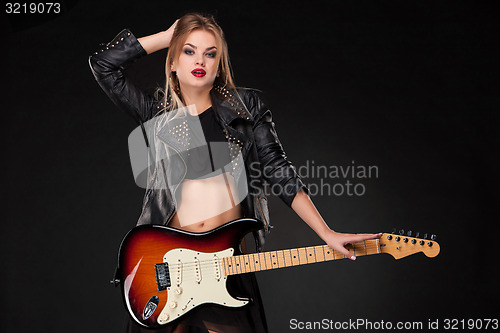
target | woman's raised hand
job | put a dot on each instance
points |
(158, 41)
(170, 32)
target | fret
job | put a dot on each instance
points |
(295, 257)
(280, 258)
(226, 266)
(311, 258)
(267, 260)
(356, 247)
(302, 255)
(269, 263)
(262, 261)
(328, 252)
(249, 265)
(233, 265)
(274, 260)
(364, 243)
(319, 253)
(242, 263)
(258, 267)
(252, 262)
(238, 264)
(246, 266)
(288, 258)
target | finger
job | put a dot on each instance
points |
(346, 253)
(362, 237)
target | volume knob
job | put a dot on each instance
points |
(173, 304)
(164, 317)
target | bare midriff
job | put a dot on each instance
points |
(206, 203)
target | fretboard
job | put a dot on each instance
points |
(255, 262)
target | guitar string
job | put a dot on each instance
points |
(210, 273)
(208, 262)
(358, 249)
(190, 267)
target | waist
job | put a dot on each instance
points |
(205, 204)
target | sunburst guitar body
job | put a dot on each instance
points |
(167, 272)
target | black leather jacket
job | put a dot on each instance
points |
(245, 119)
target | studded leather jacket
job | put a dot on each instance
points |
(245, 119)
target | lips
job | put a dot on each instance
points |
(199, 72)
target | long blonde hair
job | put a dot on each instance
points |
(186, 24)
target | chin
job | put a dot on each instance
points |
(199, 84)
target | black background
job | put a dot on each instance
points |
(408, 86)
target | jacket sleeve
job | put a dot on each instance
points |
(107, 65)
(276, 169)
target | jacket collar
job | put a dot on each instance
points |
(229, 105)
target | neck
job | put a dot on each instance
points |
(285, 258)
(199, 97)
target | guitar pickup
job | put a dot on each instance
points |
(162, 276)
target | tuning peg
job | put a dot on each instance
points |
(417, 235)
(425, 236)
(433, 237)
(409, 233)
(401, 232)
(393, 231)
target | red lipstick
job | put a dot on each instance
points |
(199, 72)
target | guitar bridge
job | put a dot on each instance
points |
(162, 276)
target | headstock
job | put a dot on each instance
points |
(402, 245)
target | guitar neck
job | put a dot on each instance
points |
(255, 262)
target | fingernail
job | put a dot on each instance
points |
(353, 258)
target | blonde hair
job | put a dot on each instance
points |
(187, 24)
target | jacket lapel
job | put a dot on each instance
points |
(172, 134)
(235, 119)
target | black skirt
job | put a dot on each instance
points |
(247, 319)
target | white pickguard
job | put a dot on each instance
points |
(196, 278)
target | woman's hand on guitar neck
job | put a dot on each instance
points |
(338, 241)
(304, 207)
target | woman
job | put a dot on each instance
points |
(198, 75)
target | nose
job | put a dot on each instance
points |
(199, 60)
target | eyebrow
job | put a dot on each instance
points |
(207, 49)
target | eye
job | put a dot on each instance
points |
(211, 54)
(188, 51)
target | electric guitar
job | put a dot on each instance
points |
(166, 272)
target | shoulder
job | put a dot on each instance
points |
(248, 94)
(253, 100)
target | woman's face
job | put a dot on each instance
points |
(197, 65)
